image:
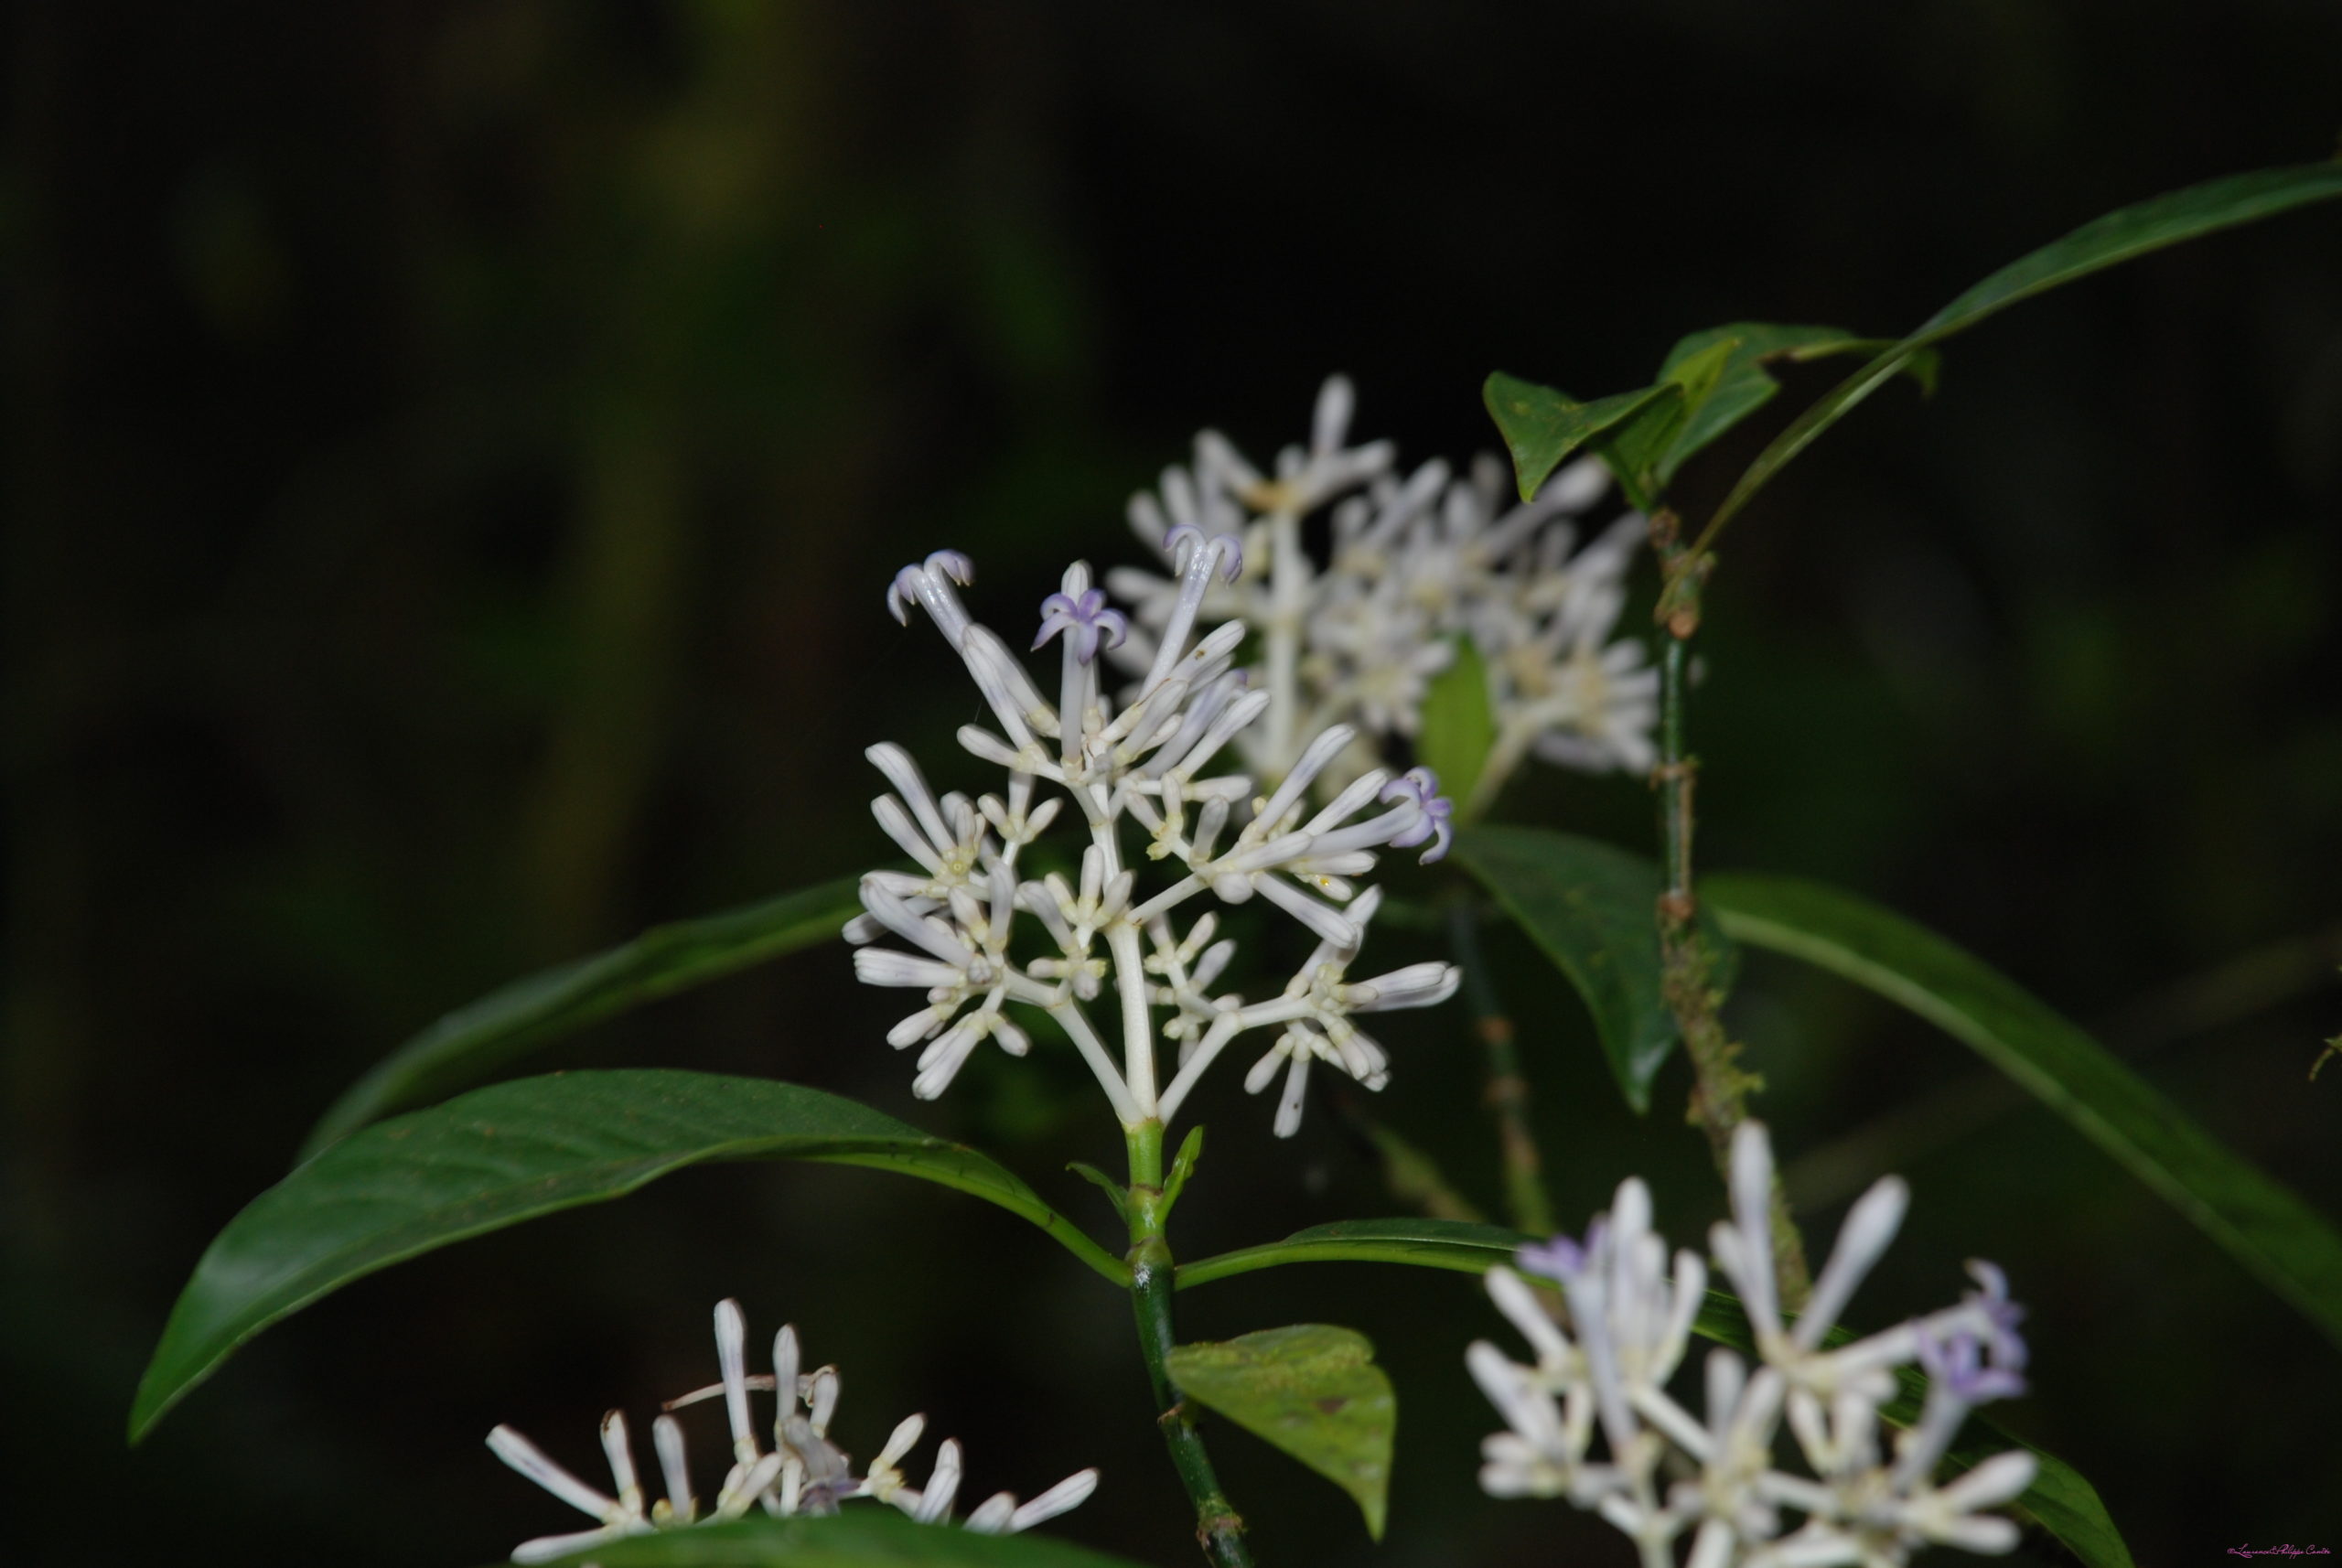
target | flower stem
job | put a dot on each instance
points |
(1720, 1085)
(1218, 1530)
(1507, 1092)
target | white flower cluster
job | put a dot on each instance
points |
(805, 1473)
(1142, 757)
(1415, 563)
(1628, 1321)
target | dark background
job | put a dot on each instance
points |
(455, 456)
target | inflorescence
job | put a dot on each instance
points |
(1143, 757)
(804, 1472)
(1604, 1369)
(1417, 562)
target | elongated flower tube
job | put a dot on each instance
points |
(1596, 1420)
(1152, 780)
(804, 1472)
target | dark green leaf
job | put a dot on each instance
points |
(1592, 909)
(2265, 1225)
(1313, 1390)
(475, 1039)
(1541, 425)
(513, 1152)
(1425, 1243)
(861, 1537)
(2118, 237)
(1459, 727)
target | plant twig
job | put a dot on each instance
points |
(1526, 1204)
(1720, 1085)
(1220, 1529)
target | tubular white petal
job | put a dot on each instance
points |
(1296, 1084)
(1312, 762)
(1417, 985)
(884, 966)
(621, 1454)
(1330, 422)
(546, 1548)
(533, 1461)
(732, 1360)
(667, 1437)
(903, 773)
(901, 1441)
(1996, 1481)
(1870, 1227)
(1319, 918)
(991, 1514)
(1520, 1307)
(1063, 1497)
(1987, 1534)
(821, 1399)
(1752, 1212)
(942, 1484)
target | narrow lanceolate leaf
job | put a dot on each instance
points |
(2264, 1224)
(1592, 909)
(1313, 1390)
(1455, 1244)
(1459, 727)
(866, 1535)
(1743, 385)
(2118, 237)
(513, 1152)
(2061, 1499)
(1541, 425)
(475, 1039)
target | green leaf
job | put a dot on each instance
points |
(1183, 1166)
(1592, 909)
(1115, 1192)
(1459, 727)
(2291, 1247)
(475, 1039)
(2118, 237)
(2059, 1499)
(1311, 1390)
(1634, 448)
(861, 1537)
(513, 1152)
(1744, 385)
(1456, 1244)
(1541, 425)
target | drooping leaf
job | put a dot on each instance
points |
(480, 1037)
(2061, 1499)
(1311, 1390)
(1744, 385)
(1592, 909)
(863, 1536)
(1541, 425)
(514, 1151)
(2265, 1225)
(2103, 243)
(1459, 727)
(1457, 1244)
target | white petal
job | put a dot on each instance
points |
(1870, 1227)
(534, 1462)
(1063, 1497)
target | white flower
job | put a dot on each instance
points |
(1664, 1473)
(805, 1473)
(1417, 562)
(1153, 770)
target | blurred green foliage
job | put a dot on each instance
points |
(455, 456)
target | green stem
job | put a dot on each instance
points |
(1218, 1530)
(1507, 1091)
(1720, 1085)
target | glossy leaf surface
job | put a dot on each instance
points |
(1745, 385)
(1311, 1390)
(863, 1536)
(514, 1151)
(2107, 241)
(475, 1039)
(1591, 908)
(2263, 1224)
(1541, 425)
